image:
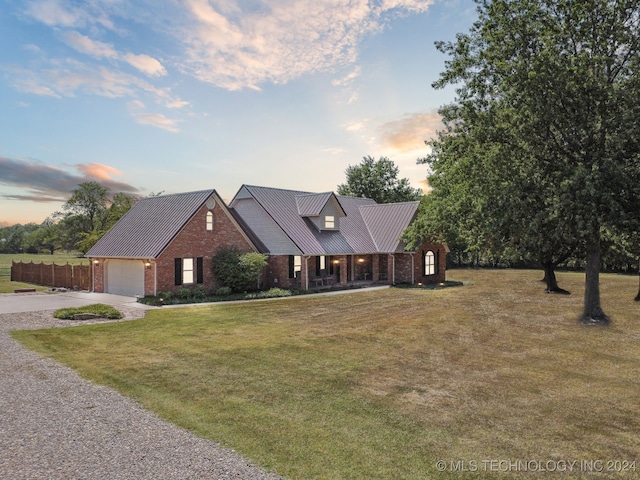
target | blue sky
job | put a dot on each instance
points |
(180, 95)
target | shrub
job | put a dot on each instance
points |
(271, 293)
(222, 291)
(200, 293)
(274, 293)
(238, 271)
(184, 293)
(165, 296)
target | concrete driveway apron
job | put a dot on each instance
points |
(33, 302)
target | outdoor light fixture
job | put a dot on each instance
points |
(95, 262)
(360, 260)
(336, 262)
(147, 264)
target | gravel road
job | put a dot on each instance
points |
(55, 425)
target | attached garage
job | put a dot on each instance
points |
(125, 277)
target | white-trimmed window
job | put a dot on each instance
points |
(329, 221)
(429, 263)
(209, 221)
(323, 262)
(187, 270)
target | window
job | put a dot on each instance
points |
(187, 270)
(429, 263)
(209, 222)
(295, 265)
(329, 221)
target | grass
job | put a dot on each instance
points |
(7, 286)
(99, 309)
(384, 384)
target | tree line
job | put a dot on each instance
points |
(90, 211)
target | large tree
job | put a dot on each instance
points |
(89, 203)
(378, 180)
(568, 74)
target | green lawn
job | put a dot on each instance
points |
(384, 384)
(7, 286)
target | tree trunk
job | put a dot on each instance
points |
(637, 299)
(593, 313)
(551, 280)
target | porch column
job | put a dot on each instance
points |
(375, 267)
(391, 268)
(343, 270)
(304, 272)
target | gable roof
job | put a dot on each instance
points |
(146, 229)
(312, 204)
(278, 218)
(387, 222)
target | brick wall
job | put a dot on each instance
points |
(404, 265)
(195, 241)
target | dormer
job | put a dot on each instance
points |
(322, 209)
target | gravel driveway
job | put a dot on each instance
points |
(55, 425)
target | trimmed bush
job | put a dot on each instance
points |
(223, 291)
(200, 293)
(184, 293)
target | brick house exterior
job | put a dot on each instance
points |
(166, 243)
(181, 258)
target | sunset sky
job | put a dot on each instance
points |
(171, 96)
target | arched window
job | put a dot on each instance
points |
(429, 263)
(209, 222)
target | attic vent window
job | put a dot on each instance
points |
(329, 222)
(209, 222)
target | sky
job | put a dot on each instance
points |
(150, 96)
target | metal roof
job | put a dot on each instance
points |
(312, 204)
(146, 229)
(387, 222)
(279, 213)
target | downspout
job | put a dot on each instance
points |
(93, 276)
(155, 279)
(306, 272)
(393, 268)
(413, 270)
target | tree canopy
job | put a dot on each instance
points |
(542, 145)
(379, 181)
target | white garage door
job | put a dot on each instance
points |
(125, 277)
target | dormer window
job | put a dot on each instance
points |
(209, 222)
(329, 222)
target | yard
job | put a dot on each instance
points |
(493, 379)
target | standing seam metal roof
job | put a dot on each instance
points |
(146, 229)
(367, 227)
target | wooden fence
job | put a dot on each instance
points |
(52, 275)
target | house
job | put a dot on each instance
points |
(312, 240)
(164, 243)
(315, 239)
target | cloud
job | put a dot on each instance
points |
(45, 183)
(146, 64)
(409, 133)
(84, 44)
(279, 40)
(54, 14)
(69, 77)
(61, 13)
(136, 108)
